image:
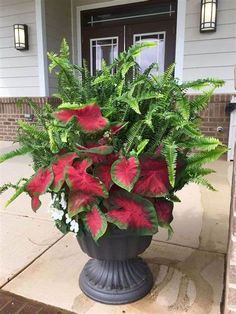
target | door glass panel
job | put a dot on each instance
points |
(151, 55)
(102, 49)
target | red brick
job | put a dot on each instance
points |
(13, 307)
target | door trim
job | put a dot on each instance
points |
(180, 29)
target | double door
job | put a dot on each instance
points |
(105, 35)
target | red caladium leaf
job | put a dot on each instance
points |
(58, 168)
(125, 172)
(95, 222)
(78, 179)
(103, 172)
(38, 185)
(154, 180)
(78, 202)
(128, 210)
(88, 117)
(164, 210)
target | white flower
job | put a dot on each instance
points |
(68, 219)
(74, 226)
(63, 202)
(57, 214)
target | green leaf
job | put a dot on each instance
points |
(141, 146)
(170, 153)
(206, 143)
(69, 106)
(15, 153)
(18, 192)
(203, 182)
(204, 157)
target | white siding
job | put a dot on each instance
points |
(18, 69)
(211, 54)
(58, 26)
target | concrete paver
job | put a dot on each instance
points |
(186, 280)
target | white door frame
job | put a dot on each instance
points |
(180, 30)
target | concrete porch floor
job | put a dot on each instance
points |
(37, 262)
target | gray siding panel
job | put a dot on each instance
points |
(19, 75)
(211, 54)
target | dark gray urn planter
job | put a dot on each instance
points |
(115, 274)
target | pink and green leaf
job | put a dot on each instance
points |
(103, 172)
(79, 180)
(96, 149)
(79, 202)
(38, 185)
(164, 210)
(89, 118)
(95, 222)
(128, 210)
(154, 180)
(58, 168)
(125, 172)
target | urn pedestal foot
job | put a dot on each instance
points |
(114, 281)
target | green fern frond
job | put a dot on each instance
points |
(15, 153)
(134, 132)
(183, 106)
(199, 159)
(202, 181)
(203, 143)
(18, 192)
(170, 153)
(32, 130)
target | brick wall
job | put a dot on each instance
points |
(213, 116)
(230, 286)
(11, 111)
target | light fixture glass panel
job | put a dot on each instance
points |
(21, 36)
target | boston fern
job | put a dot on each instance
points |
(117, 149)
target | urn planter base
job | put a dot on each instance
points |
(115, 281)
(115, 274)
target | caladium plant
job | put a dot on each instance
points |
(118, 148)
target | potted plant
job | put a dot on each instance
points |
(112, 156)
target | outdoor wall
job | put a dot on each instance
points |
(58, 26)
(211, 54)
(11, 113)
(18, 69)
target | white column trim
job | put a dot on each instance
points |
(42, 47)
(180, 37)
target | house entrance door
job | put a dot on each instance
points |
(108, 31)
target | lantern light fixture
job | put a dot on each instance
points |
(21, 36)
(208, 16)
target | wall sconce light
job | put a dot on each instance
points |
(21, 36)
(208, 16)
